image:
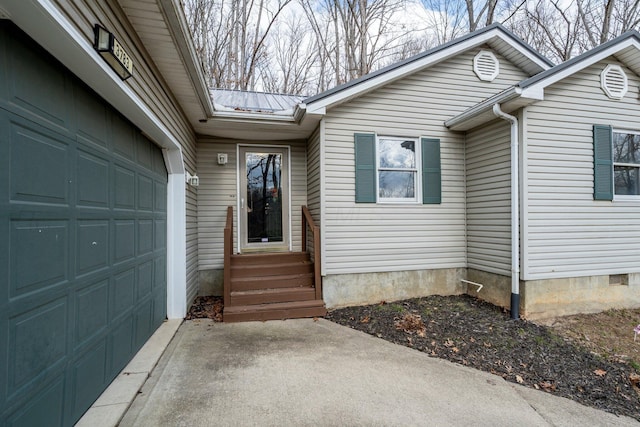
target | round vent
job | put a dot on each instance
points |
(486, 65)
(613, 81)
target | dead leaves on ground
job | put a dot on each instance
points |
(411, 323)
(600, 372)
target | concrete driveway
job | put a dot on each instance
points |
(317, 373)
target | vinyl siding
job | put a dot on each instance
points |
(218, 190)
(570, 234)
(396, 237)
(488, 184)
(313, 183)
(157, 96)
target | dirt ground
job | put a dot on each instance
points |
(592, 359)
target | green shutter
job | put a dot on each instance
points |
(431, 180)
(602, 162)
(365, 147)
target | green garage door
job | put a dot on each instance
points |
(82, 239)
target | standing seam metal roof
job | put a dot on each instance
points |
(255, 101)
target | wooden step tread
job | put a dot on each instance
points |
(271, 296)
(272, 291)
(274, 306)
(271, 282)
(278, 311)
(268, 258)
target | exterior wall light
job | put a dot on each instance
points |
(112, 52)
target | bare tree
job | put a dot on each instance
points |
(354, 36)
(450, 19)
(292, 56)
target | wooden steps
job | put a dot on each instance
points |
(269, 286)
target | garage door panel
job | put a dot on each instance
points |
(124, 240)
(145, 280)
(37, 344)
(159, 304)
(122, 135)
(41, 93)
(92, 248)
(45, 408)
(159, 167)
(145, 236)
(144, 321)
(91, 119)
(92, 180)
(39, 256)
(122, 293)
(145, 193)
(120, 344)
(89, 374)
(124, 188)
(160, 234)
(144, 153)
(39, 168)
(91, 311)
(160, 196)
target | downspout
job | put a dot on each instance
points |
(515, 212)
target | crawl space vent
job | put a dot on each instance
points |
(486, 65)
(613, 81)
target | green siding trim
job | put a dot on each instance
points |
(365, 151)
(602, 162)
(431, 171)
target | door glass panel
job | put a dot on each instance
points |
(264, 197)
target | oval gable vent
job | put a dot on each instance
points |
(486, 65)
(613, 81)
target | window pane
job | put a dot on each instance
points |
(626, 180)
(626, 148)
(394, 153)
(396, 185)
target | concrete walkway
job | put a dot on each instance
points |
(317, 373)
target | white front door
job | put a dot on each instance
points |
(264, 198)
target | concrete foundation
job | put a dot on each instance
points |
(548, 298)
(211, 282)
(341, 290)
(561, 297)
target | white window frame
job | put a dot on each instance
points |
(628, 197)
(417, 171)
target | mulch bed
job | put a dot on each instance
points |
(205, 307)
(477, 334)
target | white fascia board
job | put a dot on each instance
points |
(395, 74)
(581, 65)
(43, 22)
(243, 116)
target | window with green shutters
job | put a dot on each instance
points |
(397, 169)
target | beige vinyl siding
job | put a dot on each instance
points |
(362, 238)
(570, 234)
(218, 190)
(313, 184)
(313, 175)
(488, 182)
(150, 88)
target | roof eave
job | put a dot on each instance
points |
(343, 93)
(510, 100)
(177, 23)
